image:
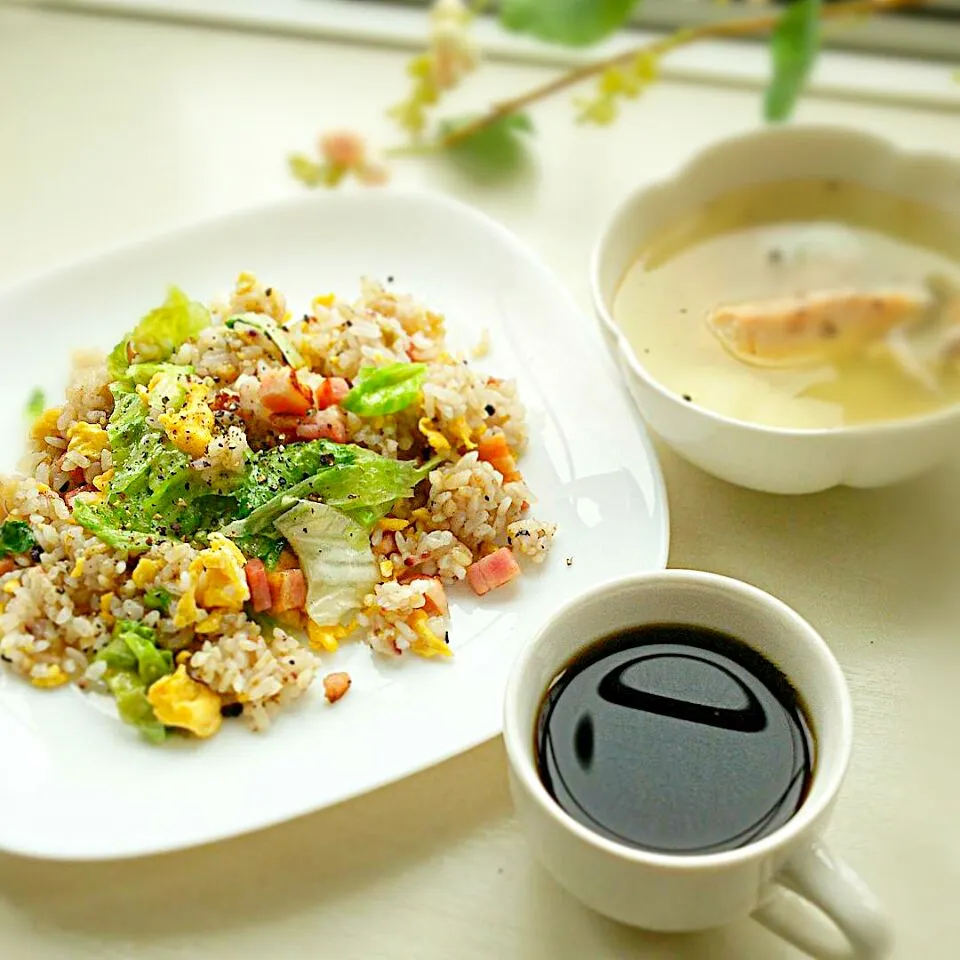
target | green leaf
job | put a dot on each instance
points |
(134, 708)
(117, 655)
(160, 332)
(335, 556)
(157, 599)
(365, 489)
(35, 404)
(273, 472)
(380, 391)
(493, 151)
(141, 640)
(264, 546)
(108, 524)
(573, 23)
(305, 169)
(15, 537)
(794, 46)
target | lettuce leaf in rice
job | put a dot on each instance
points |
(335, 556)
(133, 646)
(381, 391)
(134, 664)
(263, 546)
(154, 490)
(157, 599)
(364, 490)
(109, 524)
(16, 537)
(276, 471)
(134, 708)
(266, 325)
(160, 332)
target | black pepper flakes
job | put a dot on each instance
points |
(490, 409)
(569, 561)
(231, 710)
(688, 398)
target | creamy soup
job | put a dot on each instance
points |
(803, 304)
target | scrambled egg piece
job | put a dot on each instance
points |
(11, 585)
(102, 481)
(54, 677)
(386, 569)
(213, 623)
(393, 523)
(427, 644)
(217, 582)
(326, 638)
(77, 570)
(218, 575)
(180, 701)
(186, 611)
(191, 427)
(324, 300)
(105, 600)
(434, 437)
(87, 439)
(46, 424)
(144, 572)
(460, 429)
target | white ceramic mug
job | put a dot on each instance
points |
(788, 881)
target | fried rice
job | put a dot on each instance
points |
(143, 549)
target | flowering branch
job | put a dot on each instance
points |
(651, 53)
(493, 140)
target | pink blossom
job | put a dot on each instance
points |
(343, 148)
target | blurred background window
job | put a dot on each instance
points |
(930, 31)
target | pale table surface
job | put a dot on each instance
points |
(111, 129)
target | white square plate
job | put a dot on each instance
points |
(77, 784)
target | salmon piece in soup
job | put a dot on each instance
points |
(813, 328)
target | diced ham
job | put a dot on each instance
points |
(435, 599)
(328, 424)
(288, 590)
(335, 685)
(260, 595)
(331, 392)
(813, 327)
(282, 392)
(495, 450)
(6, 565)
(492, 571)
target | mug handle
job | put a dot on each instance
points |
(815, 887)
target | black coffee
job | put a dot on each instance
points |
(675, 739)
